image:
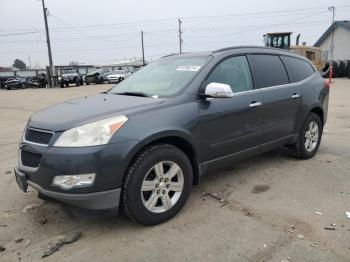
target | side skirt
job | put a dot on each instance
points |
(230, 159)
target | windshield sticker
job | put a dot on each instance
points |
(188, 68)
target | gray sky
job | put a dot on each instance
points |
(105, 31)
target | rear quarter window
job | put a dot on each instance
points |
(269, 70)
(298, 69)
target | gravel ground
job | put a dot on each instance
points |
(274, 208)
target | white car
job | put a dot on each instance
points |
(117, 76)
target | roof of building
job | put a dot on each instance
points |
(331, 28)
(2, 69)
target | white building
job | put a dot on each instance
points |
(341, 40)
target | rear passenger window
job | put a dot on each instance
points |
(298, 69)
(234, 72)
(269, 70)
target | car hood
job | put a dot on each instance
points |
(13, 81)
(93, 74)
(88, 109)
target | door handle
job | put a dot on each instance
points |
(294, 96)
(255, 104)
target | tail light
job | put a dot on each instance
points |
(326, 84)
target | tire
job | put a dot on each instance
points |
(341, 70)
(347, 68)
(300, 148)
(336, 69)
(325, 71)
(87, 83)
(143, 168)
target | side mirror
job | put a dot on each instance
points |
(217, 90)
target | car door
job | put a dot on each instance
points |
(231, 126)
(281, 101)
(299, 70)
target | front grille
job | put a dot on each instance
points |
(37, 136)
(30, 159)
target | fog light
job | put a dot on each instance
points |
(69, 182)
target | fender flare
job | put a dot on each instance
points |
(182, 134)
(317, 106)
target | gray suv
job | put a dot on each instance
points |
(141, 146)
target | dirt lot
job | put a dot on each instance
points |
(268, 212)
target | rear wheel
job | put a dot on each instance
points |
(157, 184)
(309, 137)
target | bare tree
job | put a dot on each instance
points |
(73, 63)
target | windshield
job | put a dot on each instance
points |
(164, 77)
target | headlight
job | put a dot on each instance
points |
(92, 134)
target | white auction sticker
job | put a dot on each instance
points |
(188, 68)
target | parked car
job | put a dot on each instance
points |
(144, 143)
(117, 76)
(97, 77)
(70, 76)
(39, 80)
(17, 83)
(3, 79)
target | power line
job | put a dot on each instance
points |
(80, 31)
(263, 12)
(168, 20)
(22, 33)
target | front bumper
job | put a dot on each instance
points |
(95, 201)
(108, 163)
(114, 79)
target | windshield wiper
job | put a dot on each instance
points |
(133, 94)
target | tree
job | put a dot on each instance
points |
(18, 63)
(73, 63)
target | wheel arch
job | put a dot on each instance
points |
(178, 139)
(318, 111)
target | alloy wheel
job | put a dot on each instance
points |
(311, 136)
(162, 186)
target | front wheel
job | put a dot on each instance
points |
(157, 184)
(309, 137)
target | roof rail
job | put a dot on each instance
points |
(183, 53)
(244, 46)
(170, 55)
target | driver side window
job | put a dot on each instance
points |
(233, 71)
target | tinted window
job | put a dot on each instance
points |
(270, 70)
(297, 69)
(234, 72)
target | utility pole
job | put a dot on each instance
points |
(332, 9)
(180, 35)
(50, 77)
(30, 62)
(143, 49)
